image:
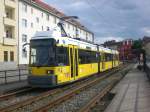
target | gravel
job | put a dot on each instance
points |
(82, 98)
(70, 105)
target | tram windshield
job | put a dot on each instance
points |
(42, 53)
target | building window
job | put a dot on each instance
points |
(55, 20)
(48, 28)
(11, 56)
(24, 7)
(37, 19)
(5, 56)
(24, 23)
(42, 14)
(9, 32)
(47, 17)
(10, 13)
(31, 25)
(24, 53)
(24, 38)
(31, 10)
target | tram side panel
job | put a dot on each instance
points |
(108, 61)
(88, 63)
(102, 62)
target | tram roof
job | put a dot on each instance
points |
(69, 41)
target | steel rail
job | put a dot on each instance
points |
(68, 95)
(98, 97)
(28, 101)
(13, 94)
(32, 100)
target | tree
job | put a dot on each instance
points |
(137, 44)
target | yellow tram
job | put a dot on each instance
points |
(58, 60)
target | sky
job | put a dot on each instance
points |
(109, 19)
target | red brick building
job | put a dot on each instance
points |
(125, 50)
(124, 47)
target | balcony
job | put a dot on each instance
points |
(10, 22)
(11, 3)
(9, 41)
(9, 16)
(9, 38)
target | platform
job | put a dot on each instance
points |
(132, 93)
(11, 86)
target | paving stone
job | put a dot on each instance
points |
(135, 97)
(12, 86)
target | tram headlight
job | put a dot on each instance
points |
(50, 71)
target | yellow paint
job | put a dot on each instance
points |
(87, 69)
(108, 65)
(63, 73)
(8, 44)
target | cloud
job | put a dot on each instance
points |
(110, 18)
(146, 30)
(79, 5)
(101, 40)
(128, 5)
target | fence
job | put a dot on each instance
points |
(8, 76)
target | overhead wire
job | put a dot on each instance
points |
(101, 15)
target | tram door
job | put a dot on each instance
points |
(114, 58)
(113, 61)
(73, 60)
(103, 61)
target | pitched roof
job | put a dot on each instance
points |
(60, 14)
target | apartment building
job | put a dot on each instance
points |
(8, 33)
(35, 15)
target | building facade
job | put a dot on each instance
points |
(8, 33)
(35, 15)
(112, 44)
(125, 50)
(124, 47)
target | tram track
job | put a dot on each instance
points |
(67, 99)
(9, 95)
(42, 99)
(19, 95)
(96, 99)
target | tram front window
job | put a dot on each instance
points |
(42, 53)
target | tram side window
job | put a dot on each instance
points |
(108, 57)
(62, 56)
(86, 57)
(94, 57)
(103, 58)
(115, 57)
(82, 56)
(99, 57)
